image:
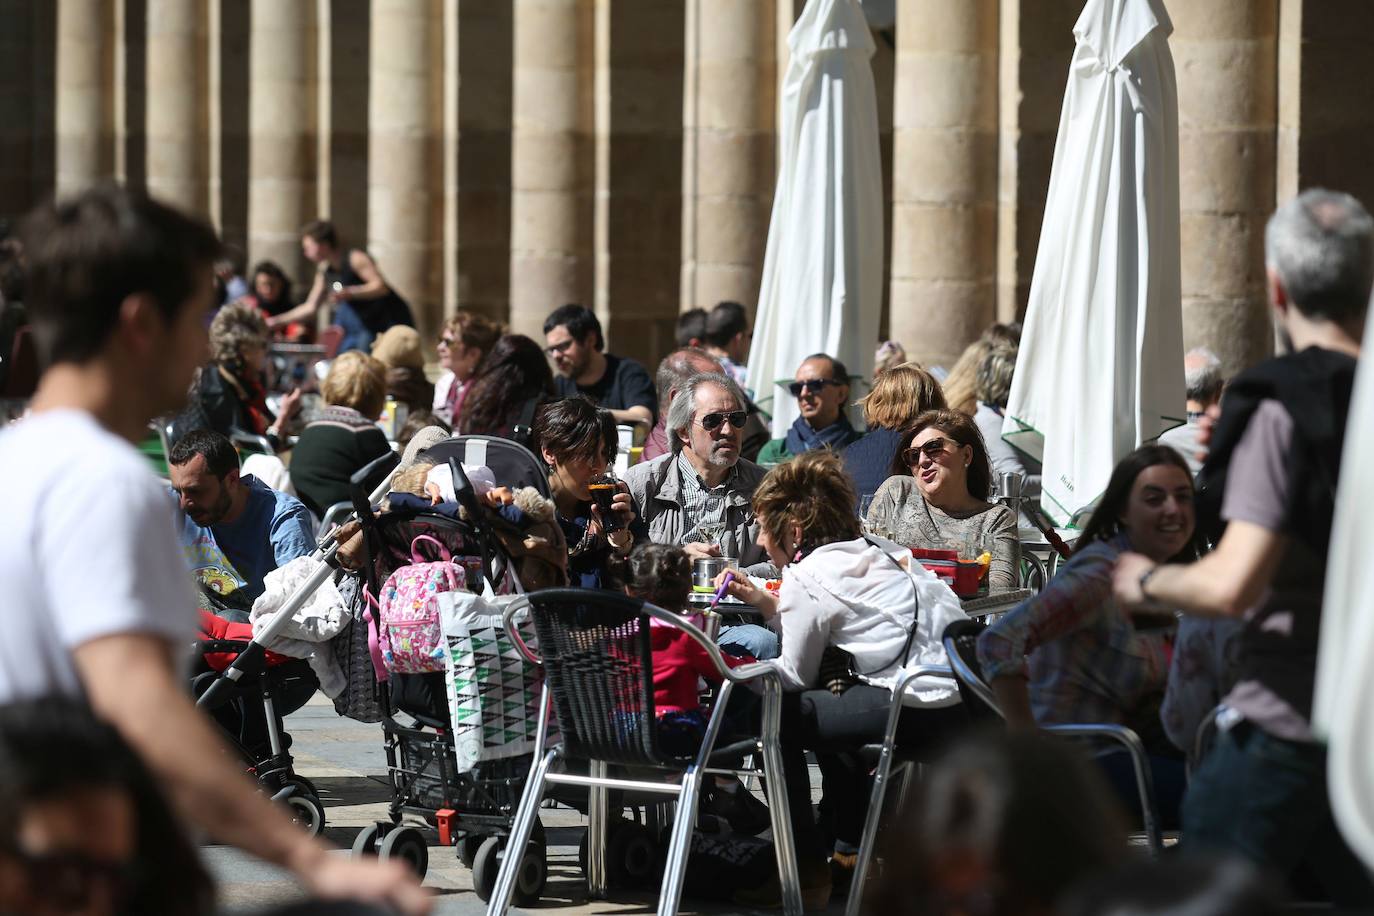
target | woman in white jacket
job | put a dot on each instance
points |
(864, 596)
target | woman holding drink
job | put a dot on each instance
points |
(577, 441)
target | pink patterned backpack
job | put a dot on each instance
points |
(409, 639)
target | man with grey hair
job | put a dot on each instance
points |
(1202, 375)
(1271, 478)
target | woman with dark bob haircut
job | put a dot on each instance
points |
(511, 382)
(861, 596)
(83, 827)
(1071, 654)
(938, 495)
(577, 441)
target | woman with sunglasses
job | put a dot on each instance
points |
(938, 495)
(466, 338)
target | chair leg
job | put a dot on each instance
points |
(773, 785)
(870, 835)
(597, 816)
(675, 870)
(521, 828)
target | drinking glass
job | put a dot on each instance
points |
(603, 490)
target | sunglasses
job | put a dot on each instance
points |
(68, 880)
(811, 386)
(555, 349)
(735, 418)
(446, 341)
(930, 449)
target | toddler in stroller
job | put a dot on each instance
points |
(251, 714)
(494, 534)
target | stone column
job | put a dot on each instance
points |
(1033, 71)
(551, 160)
(477, 156)
(944, 245)
(639, 72)
(229, 104)
(85, 82)
(281, 134)
(1225, 52)
(1326, 98)
(727, 150)
(404, 201)
(343, 64)
(177, 107)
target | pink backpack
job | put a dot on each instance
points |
(409, 639)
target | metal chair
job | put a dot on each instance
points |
(961, 645)
(888, 754)
(598, 671)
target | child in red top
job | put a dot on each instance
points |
(662, 575)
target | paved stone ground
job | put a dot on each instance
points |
(345, 761)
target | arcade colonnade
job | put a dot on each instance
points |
(512, 155)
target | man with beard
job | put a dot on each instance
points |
(226, 517)
(698, 495)
(573, 341)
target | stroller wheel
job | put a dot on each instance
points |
(408, 845)
(306, 810)
(467, 848)
(365, 843)
(529, 882)
(631, 856)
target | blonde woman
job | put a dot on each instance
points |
(899, 396)
(961, 385)
(344, 437)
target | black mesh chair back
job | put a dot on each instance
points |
(597, 657)
(961, 645)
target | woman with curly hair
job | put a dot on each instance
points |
(229, 394)
(862, 596)
(510, 384)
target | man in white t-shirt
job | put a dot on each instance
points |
(95, 596)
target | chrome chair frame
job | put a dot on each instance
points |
(882, 776)
(1118, 734)
(685, 792)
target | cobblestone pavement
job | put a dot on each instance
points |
(345, 761)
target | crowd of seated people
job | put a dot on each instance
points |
(839, 612)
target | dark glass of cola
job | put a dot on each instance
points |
(603, 491)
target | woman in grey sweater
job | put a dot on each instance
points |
(938, 496)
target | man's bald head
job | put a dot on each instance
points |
(679, 366)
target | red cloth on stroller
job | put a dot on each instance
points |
(214, 628)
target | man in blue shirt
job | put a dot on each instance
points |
(235, 530)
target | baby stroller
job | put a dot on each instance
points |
(235, 671)
(472, 810)
(272, 686)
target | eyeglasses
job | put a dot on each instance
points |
(930, 449)
(555, 349)
(67, 879)
(811, 386)
(735, 418)
(446, 341)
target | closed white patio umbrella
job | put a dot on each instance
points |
(1341, 711)
(822, 280)
(1100, 368)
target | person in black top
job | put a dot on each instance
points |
(1267, 497)
(573, 340)
(348, 279)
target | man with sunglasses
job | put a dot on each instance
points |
(574, 344)
(821, 387)
(702, 483)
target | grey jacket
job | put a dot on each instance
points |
(655, 486)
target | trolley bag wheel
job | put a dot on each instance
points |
(529, 881)
(468, 845)
(408, 845)
(631, 856)
(305, 807)
(365, 843)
